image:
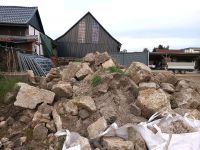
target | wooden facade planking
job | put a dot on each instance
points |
(69, 46)
(13, 30)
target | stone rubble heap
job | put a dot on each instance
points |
(86, 97)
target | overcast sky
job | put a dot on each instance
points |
(135, 23)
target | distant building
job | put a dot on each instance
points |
(160, 57)
(87, 35)
(192, 50)
(21, 27)
(168, 51)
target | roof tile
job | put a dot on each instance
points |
(16, 14)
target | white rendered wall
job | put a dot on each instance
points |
(33, 31)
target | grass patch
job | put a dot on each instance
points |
(96, 80)
(114, 69)
(6, 85)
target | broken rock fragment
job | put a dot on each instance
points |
(147, 85)
(108, 63)
(29, 96)
(70, 71)
(117, 143)
(139, 72)
(101, 58)
(40, 132)
(63, 90)
(85, 102)
(90, 57)
(84, 71)
(70, 108)
(167, 87)
(187, 98)
(151, 100)
(97, 128)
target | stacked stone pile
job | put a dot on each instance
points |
(87, 97)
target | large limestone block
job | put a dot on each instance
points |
(151, 100)
(139, 72)
(29, 96)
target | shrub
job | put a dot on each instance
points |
(96, 80)
(114, 69)
(6, 85)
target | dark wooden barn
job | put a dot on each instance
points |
(87, 35)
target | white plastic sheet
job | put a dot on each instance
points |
(70, 137)
(159, 140)
(154, 141)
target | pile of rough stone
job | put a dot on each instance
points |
(86, 97)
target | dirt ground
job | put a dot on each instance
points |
(192, 76)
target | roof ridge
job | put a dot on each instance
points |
(19, 6)
(32, 15)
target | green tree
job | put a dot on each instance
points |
(160, 47)
(145, 50)
(124, 51)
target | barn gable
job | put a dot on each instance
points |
(87, 35)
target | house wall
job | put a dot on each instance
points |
(191, 50)
(68, 45)
(36, 47)
(11, 30)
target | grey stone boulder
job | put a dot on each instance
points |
(52, 76)
(101, 58)
(135, 110)
(40, 132)
(108, 63)
(139, 72)
(40, 118)
(117, 143)
(151, 101)
(147, 85)
(70, 71)
(191, 113)
(57, 120)
(109, 113)
(63, 89)
(89, 57)
(84, 71)
(165, 77)
(70, 108)
(187, 98)
(97, 128)
(83, 113)
(85, 102)
(3, 124)
(30, 96)
(169, 88)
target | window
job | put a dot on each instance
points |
(81, 32)
(95, 32)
